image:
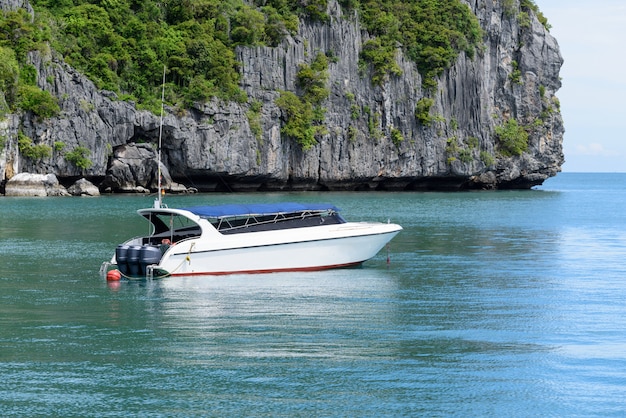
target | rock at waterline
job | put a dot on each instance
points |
(83, 187)
(28, 184)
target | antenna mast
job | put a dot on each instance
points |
(159, 201)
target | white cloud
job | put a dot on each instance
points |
(593, 149)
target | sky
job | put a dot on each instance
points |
(592, 38)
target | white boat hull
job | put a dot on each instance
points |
(347, 245)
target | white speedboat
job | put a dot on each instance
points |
(257, 238)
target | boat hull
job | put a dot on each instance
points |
(340, 250)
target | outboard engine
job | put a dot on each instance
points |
(133, 260)
(148, 255)
(121, 256)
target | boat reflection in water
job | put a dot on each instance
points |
(255, 238)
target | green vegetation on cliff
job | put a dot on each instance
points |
(304, 113)
(431, 32)
(122, 45)
(19, 35)
(512, 137)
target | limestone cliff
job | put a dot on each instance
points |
(373, 139)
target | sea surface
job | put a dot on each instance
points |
(502, 304)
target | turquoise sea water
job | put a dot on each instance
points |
(507, 303)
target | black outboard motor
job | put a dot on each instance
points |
(121, 256)
(133, 260)
(148, 255)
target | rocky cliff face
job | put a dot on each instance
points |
(212, 146)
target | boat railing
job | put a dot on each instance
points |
(243, 223)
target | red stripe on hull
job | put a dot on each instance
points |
(285, 270)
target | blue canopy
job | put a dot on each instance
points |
(222, 211)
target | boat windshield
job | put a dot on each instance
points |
(171, 226)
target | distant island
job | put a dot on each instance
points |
(331, 95)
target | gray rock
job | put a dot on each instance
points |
(83, 187)
(38, 185)
(134, 169)
(13, 5)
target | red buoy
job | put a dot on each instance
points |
(114, 276)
